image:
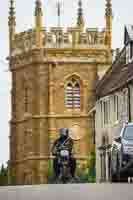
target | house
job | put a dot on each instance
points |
(114, 105)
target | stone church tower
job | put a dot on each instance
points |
(53, 86)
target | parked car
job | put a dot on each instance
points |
(122, 154)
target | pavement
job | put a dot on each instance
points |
(68, 192)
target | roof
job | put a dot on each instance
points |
(119, 74)
(128, 35)
(116, 78)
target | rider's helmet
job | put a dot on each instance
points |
(64, 132)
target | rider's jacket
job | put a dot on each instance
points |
(67, 143)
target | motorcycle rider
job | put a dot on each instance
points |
(65, 140)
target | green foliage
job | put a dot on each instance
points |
(83, 177)
(3, 176)
(88, 175)
(50, 168)
(92, 168)
(82, 172)
(50, 172)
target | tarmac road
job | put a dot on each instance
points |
(68, 192)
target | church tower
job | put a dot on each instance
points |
(53, 85)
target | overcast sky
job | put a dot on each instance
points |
(94, 12)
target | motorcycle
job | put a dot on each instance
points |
(64, 165)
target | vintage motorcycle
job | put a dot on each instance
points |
(64, 165)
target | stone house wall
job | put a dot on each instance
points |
(117, 114)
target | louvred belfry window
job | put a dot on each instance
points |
(72, 99)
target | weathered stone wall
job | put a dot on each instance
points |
(29, 128)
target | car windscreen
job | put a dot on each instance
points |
(128, 133)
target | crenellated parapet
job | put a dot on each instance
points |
(76, 37)
(58, 38)
(24, 42)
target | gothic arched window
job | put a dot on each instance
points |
(72, 96)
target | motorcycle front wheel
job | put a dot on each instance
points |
(65, 174)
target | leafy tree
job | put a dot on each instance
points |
(3, 176)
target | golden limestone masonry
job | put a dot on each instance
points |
(53, 86)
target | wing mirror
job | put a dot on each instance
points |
(118, 139)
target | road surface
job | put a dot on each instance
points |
(68, 192)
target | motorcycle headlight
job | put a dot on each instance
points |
(64, 153)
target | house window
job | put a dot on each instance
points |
(116, 111)
(101, 113)
(94, 137)
(105, 107)
(72, 97)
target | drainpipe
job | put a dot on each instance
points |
(129, 103)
